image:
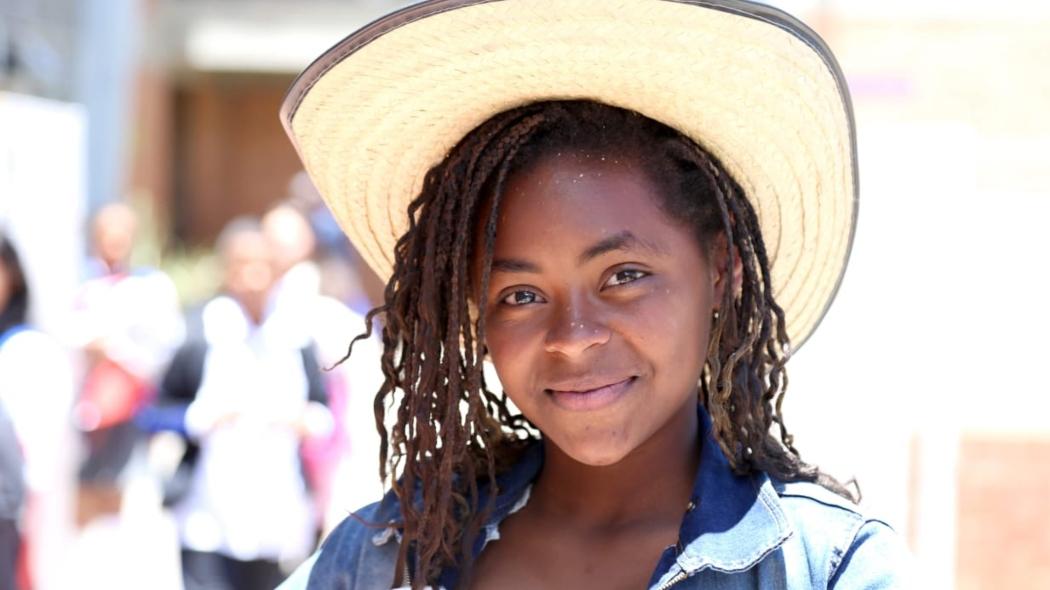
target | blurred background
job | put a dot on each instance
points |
(145, 182)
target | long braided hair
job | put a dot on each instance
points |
(452, 435)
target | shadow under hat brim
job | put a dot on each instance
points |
(755, 87)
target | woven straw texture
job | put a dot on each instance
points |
(756, 96)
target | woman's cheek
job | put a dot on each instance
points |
(665, 323)
(647, 314)
(508, 342)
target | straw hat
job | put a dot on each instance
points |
(751, 84)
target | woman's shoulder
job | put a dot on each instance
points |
(24, 352)
(359, 554)
(839, 542)
(29, 339)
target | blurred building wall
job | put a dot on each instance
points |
(208, 144)
(232, 156)
(42, 170)
(923, 374)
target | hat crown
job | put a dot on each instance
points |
(754, 86)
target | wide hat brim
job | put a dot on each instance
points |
(754, 86)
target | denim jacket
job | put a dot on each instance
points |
(738, 532)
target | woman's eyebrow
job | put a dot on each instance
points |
(514, 265)
(624, 240)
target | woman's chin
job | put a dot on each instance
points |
(598, 451)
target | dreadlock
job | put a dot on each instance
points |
(452, 435)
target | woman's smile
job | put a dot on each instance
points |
(588, 395)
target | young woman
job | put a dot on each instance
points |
(631, 209)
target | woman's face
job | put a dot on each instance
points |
(599, 306)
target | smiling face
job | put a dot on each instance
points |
(599, 305)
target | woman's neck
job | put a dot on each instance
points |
(652, 483)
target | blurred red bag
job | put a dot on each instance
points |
(110, 395)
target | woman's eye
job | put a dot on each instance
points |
(624, 276)
(521, 298)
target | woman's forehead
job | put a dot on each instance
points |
(573, 203)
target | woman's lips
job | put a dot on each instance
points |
(591, 399)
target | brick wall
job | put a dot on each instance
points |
(232, 156)
(1004, 513)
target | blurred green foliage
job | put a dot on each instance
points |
(193, 269)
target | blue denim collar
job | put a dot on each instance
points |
(737, 519)
(732, 523)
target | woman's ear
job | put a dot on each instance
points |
(725, 271)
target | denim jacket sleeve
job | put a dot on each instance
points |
(875, 561)
(359, 554)
(839, 546)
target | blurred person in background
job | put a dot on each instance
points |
(12, 491)
(127, 323)
(338, 261)
(244, 396)
(292, 242)
(338, 463)
(36, 390)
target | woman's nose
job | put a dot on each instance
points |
(575, 329)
